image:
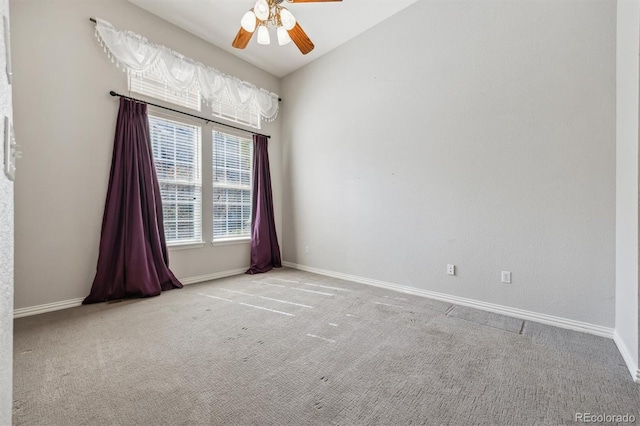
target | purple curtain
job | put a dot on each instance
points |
(265, 251)
(132, 261)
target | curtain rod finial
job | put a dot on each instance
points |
(112, 93)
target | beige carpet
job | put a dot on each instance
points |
(293, 348)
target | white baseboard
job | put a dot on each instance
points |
(72, 303)
(624, 351)
(47, 307)
(485, 306)
(214, 276)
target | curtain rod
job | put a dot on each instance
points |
(95, 22)
(112, 93)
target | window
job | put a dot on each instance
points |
(224, 109)
(232, 158)
(153, 84)
(176, 153)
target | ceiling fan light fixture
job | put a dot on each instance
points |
(272, 13)
(263, 35)
(261, 9)
(248, 21)
(283, 36)
(287, 19)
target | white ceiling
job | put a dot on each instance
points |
(328, 25)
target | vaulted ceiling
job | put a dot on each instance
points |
(327, 24)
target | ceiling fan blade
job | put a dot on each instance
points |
(301, 39)
(242, 39)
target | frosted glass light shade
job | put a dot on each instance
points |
(248, 21)
(261, 9)
(263, 35)
(287, 19)
(283, 36)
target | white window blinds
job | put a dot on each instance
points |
(224, 108)
(232, 163)
(176, 153)
(152, 84)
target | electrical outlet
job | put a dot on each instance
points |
(451, 269)
(506, 277)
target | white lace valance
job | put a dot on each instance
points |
(138, 55)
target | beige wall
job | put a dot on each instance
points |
(477, 133)
(65, 120)
(491, 147)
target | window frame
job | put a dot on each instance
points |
(245, 238)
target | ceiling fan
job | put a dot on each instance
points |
(267, 13)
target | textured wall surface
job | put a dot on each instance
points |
(67, 156)
(6, 249)
(476, 133)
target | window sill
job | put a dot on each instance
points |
(230, 241)
(185, 246)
